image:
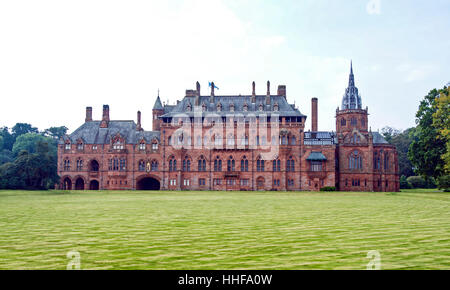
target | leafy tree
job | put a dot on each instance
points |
(6, 156)
(441, 121)
(23, 128)
(426, 148)
(56, 132)
(402, 141)
(389, 132)
(29, 142)
(8, 139)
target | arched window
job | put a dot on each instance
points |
(244, 164)
(154, 165)
(356, 139)
(141, 165)
(386, 162)
(118, 144)
(293, 140)
(218, 164)
(343, 122)
(353, 121)
(94, 166)
(142, 145)
(260, 166)
(79, 164)
(80, 145)
(355, 160)
(276, 165)
(230, 164)
(172, 164)
(290, 164)
(376, 161)
(66, 165)
(202, 164)
(363, 122)
(186, 164)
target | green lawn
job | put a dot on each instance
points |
(224, 230)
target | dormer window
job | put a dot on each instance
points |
(67, 146)
(142, 146)
(80, 146)
(155, 145)
(261, 107)
(189, 107)
(203, 107)
(232, 108)
(219, 107)
(118, 145)
(275, 107)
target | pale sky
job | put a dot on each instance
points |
(57, 57)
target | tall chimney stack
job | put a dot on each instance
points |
(314, 126)
(105, 117)
(211, 100)
(253, 92)
(88, 114)
(268, 93)
(139, 126)
(282, 91)
(197, 96)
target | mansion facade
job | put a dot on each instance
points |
(240, 142)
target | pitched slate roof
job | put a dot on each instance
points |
(316, 156)
(284, 108)
(158, 105)
(91, 133)
(378, 138)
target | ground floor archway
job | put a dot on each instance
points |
(148, 183)
(79, 184)
(94, 185)
(67, 184)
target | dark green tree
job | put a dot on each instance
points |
(56, 132)
(426, 148)
(29, 143)
(23, 128)
(8, 139)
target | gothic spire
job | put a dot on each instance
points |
(351, 99)
(351, 79)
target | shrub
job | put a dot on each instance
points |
(444, 183)
(417, 182)
(328, 188)
(404, 184)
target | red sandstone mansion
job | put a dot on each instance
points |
(251, 142)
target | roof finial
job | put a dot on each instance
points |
(158, 92)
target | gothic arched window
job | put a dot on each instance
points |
(154, 165)
(290, 164)
(355, 160)
(230, 164)
(260, 166)
(218, 164)
(79, 164)
(343, 122)
(202, 164)
(244, 164)
(172, 164)
(187, 164)
(277, 165)
(141, 165)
